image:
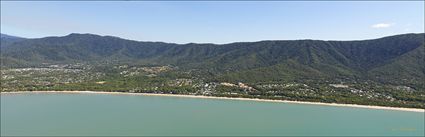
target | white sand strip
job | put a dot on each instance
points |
(212, 97)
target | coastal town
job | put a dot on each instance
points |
(172, 80)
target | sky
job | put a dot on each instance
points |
(213, 21)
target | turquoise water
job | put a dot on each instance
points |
(119, 115)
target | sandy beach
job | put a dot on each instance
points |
(212, 97)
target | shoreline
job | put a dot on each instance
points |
(229, 98)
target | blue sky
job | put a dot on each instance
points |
(213, 21)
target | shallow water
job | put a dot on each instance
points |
(118, 115)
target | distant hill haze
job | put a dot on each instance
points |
(387, 59)
(9, 36)
(7, 39)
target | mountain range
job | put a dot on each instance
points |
(392, 59)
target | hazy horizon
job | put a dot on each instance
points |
(213, 22)
(216, 43)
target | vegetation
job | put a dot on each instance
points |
(388, 71)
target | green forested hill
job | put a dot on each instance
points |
(399, 55)
(387, 71)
